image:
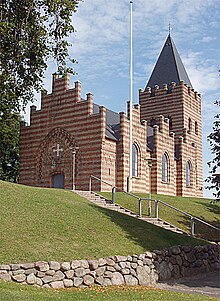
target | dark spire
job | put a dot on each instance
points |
(169, 67)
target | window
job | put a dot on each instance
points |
(190, 124)
(188, 174)
(165, 167)
(196, 128)
(134, 160)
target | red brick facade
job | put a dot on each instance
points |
(66, 137)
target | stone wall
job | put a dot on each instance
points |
(144, 269)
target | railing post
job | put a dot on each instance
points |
(113, 195)
(156, 208)
(90, 183)
(139, 208)
(192, 226)
(149, 208)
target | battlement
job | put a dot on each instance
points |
(168, 89)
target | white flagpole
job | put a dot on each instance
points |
(131, 97)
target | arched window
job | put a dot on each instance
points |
(165, 167)
(188, 174)
(134, 160)
(196, 128)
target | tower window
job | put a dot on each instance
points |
(190, 124)
(165, 167)
(134, 160)
(188, 174)
(196, 128)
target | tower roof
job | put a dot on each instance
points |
(169, 67)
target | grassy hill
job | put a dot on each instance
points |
(53, 224)
(198, 207)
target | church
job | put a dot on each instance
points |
(71, 138)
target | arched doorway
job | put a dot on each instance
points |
(58, 181)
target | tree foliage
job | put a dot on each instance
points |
(31, 31)
(9, 146)
(214, 164)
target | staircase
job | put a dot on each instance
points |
(102, 202)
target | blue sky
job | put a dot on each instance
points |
(101, 46)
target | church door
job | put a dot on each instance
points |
(58, 181)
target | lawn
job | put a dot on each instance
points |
(198, 207)
(13, 292)
(52, 224)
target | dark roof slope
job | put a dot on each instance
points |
(169, 67)
(112, 130)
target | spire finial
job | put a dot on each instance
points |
(170, 28)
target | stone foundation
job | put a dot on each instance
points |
(144, 269)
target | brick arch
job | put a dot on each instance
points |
(47, 163)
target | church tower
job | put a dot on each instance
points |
(169, 95)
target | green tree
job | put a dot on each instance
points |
(9, 145)
(31, 31)
(214, 164)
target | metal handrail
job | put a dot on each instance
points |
(192, 218)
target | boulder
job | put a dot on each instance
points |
(130, 280)
(117, 279)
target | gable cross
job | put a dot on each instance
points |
(58, 150)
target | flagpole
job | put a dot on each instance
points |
(131, 97)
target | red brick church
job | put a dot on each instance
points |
(71, 138)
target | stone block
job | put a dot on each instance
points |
(80, 272)
(75, 264)
(47, 279)
(93, 264)
(17, 272)
(40, 274)
(42, 266)
(19, 277)
(120, 258)
(30, 271)
(102, 262)
(27, 266)
(88, 280)
(5, 267)
(110, 262)
(107, 282)
(65, 266)
(100, 271)
(140, 262)
(5, 276)
(39, 282)
(15, 267)
(77, 281)
(130, 280)
(70, 274)
(125, 271)
(164, 271)
(68, 282)
(99, 280)
(58, 276)
(142, 276)
(176, 250)
(117, 279)
(54, 265)
(31, 279)
(50, 272)
(57, 284)
(84, 264)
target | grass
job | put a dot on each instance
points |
(52, 224)
(198, 207)
(13, 292)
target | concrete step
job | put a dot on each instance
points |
(102, 202)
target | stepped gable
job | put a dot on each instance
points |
(169, 67)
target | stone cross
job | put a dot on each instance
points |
(58, 150)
